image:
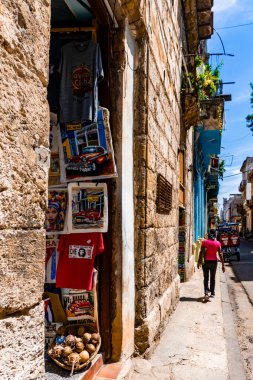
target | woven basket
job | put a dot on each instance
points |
(89, 329)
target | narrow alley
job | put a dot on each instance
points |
(125, 182)
(208, 340)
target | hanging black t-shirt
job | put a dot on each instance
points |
(81, 70)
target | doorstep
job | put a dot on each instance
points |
(109, 372)
(96, 365)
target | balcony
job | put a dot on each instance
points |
(212, 114)
(190, 110)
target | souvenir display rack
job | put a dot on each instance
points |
(81, 164)
(181, 244)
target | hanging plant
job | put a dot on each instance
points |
(221, 169)
(203, 83)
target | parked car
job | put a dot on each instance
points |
(91, 157)
(86, 216)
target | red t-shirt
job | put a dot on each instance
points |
(77, 253)
(212, 247)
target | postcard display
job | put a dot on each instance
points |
(77, 215)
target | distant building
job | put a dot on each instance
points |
(232, 208)
(245, 188)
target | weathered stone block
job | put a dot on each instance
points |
(153, 267)
(152, 184)
(140, 274)
(147, 332)
(205, 31)
(23, 184)
(204, 17)
(151, 160)
(140, 305)
(24, 33)
(204, 4)
(21, 346)
(22, 260)
(24, 120)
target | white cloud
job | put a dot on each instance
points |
(242, 98)
(221, 5)
(232, 12)
(232, 170)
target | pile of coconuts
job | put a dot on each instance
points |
(74, 347)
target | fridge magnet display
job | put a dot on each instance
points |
(56, 211)
(86, 150)
(88, 208)
(54, 174)
(54, 169)
(50, 331)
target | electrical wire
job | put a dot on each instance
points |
(220, 41)
(232, 175)
(235, 26)
(241, 173)
(241, 138)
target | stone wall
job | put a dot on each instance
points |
(24, 129)
(157, 138)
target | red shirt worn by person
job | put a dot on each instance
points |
(77, 253)
(212, 247)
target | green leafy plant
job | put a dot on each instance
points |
(221, 169)
(204, 80)
(249, 118)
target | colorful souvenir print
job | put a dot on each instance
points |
(88, 209)
(56, 211)
(52, 258)
(54, 169)
(78, 304)
(54, 174)
(86, 150)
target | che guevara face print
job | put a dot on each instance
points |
(80, 252)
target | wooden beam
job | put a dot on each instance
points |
(74, 29)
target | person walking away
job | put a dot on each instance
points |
(209, 249)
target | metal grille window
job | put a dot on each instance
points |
(163, 195)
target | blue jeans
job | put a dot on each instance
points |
(209, 266)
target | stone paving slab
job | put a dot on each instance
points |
(193, 345)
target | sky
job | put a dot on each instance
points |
(237, 139)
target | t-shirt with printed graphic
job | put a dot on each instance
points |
(81, 70)
(76, 261)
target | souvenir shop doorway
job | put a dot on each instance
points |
(82, 168)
